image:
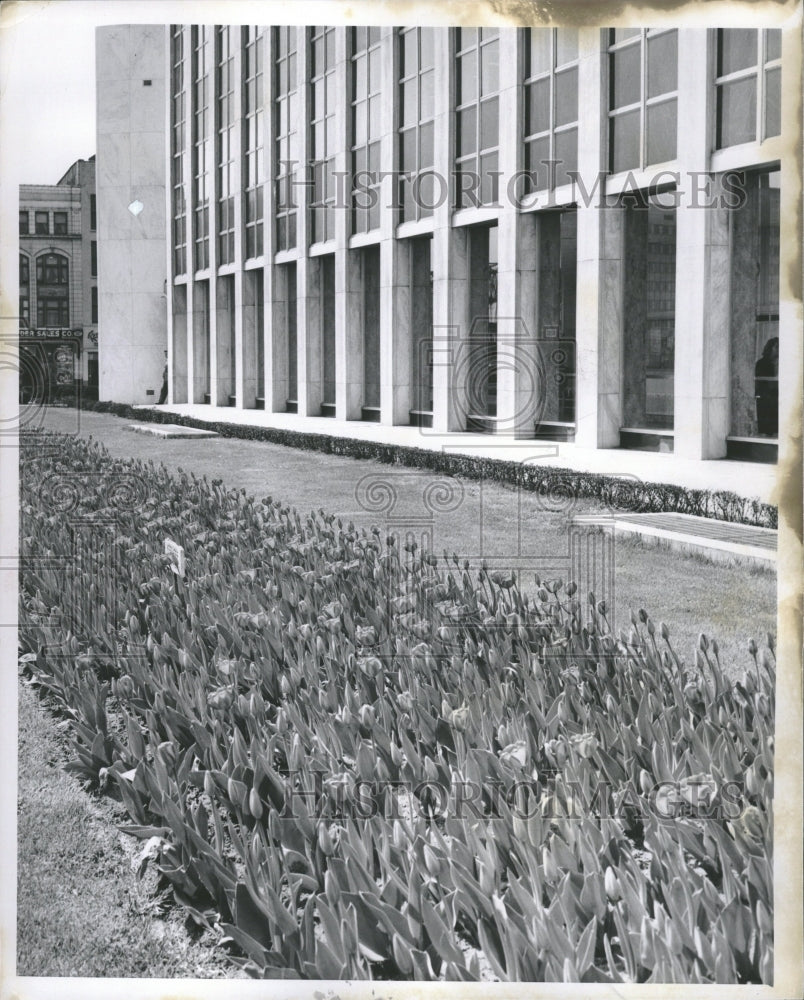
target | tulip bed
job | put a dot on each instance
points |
(357, 760)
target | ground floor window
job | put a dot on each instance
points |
(327, 275)
(291, 334)
(555, 326)
(481, 371)
(202, 340)
(649, 312)
(755, 231)
(259, 318)
(370, 267)
(421, 328)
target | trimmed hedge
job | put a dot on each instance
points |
(617, 492)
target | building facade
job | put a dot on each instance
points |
(565, 234)
(58, 293)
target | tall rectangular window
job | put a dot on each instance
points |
(59, 223)
(178, 118)
(416, 121)
(286, 145)
(202, 160)
(42, 223)
(254, 165)
(93, 250)
(25, 290)
(551, 106)
(24, 223)
(323, 98)
(225, 91)
(366, 72)
(94, 294)
(643, 97)
(649, 323)
(93, 216)
(477, 84)
(749, 85)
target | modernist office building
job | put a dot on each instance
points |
(58, 293)
(551, 233)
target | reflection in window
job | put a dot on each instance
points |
(52, 269)
(749, 85)
(551, 106)
(643, 84)
(421, 326)
(477, 110)
(416, 86)
(649, 323)
(226, 39)
(178, 119)
(556, 314)
(323, 100)
(253, 140)
(755, 234)
(366, 127)
(287, 135)
(202, 66)
(481, 378)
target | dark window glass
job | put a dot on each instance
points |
(23, 223)
(624, 139)
(737, 112)
(94, 261)
(737, 50)
(25, 270)
(566, 97)
(662, 64)
(42, 221)
(625, 77)
(94, 304)
(60, 223)
(661, 132)
(773, 102)
(773, 44)
(92, 213)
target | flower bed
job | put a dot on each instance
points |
(358, 760)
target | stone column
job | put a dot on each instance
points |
(395, 330)
(701, 363)
(600, 264)
(308, 315)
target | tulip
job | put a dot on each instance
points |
(612, 885)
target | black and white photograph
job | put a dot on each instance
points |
(401, 514)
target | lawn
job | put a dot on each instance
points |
(690, 593)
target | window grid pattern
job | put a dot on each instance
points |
(551, 106)
(323, 100)
(201, 143)
(643, 97)
(286, 143)
(52, 281)
(41, 223)
(60, 223)
(178, 113)
(225, 91)
(477, 110)
(366, 124)
(416, 131)
(25, 290)
(749, 85)
(254, 165)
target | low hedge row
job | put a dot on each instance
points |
(562, 486)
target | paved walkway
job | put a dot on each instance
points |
(748, 479)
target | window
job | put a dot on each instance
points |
(42, 223)
(60, 223)
(749, 85)
(93, 218)
(52, 269)
(754, 301)
(643, 85)
(226, 144)
(366, 127)
(53, 312)
(178, 133)
(201, 143)
(254, 165)
(23, 223)
(94, 294)
(323, 98)
(416, 131)
(551, 106)
(93, 247)
(25, 281)
(477, 109)
(649, 325)
(286, 143)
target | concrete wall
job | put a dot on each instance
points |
(131, 66)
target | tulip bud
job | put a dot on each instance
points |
(612, 885)
(550, 867)
(325, 840)
(255, 804)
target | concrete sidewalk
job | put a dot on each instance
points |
(747, 479)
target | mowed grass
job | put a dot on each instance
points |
(509, 528)
(81, 908)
